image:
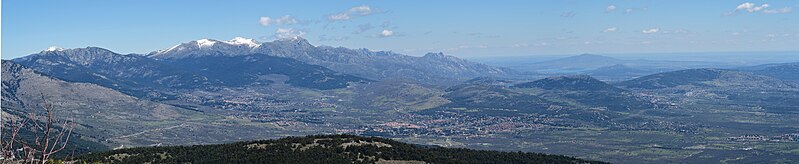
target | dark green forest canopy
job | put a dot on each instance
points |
(319, 149)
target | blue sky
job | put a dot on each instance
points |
(459, 28)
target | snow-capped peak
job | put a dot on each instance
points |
(169, 49)
(205, 43)
(243, 41)
(209, 47)
(54, 48)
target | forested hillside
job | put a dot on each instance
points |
(320, 149)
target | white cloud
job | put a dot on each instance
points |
(288, 33)
(745, 6)
(286, 19)
(353, 12)
(627, 11)
(779, 11)
(758, 8)
(763, 8)
(265, 21)
(611, 8)
(386, 33)
(611, 29)
(752, 7)
(650, 31)
(338, 17)
(361, 10)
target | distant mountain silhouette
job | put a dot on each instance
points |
(612, 68)
(578, 63)
(619, 71)
(706, 78)
(783, 71)
(574, 83)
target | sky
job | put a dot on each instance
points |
(455, 27)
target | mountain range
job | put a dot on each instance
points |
(722, 85)
(186, 86)
(783, 71)
(588, 91)
(210, 91)
(147, 77)
(606, 67)
(209, 63)
(719, 78)
(618, 72)
(434, 68)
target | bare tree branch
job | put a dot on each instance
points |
(53, 140)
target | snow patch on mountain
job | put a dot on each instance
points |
(203, 43)
(53, 48)
(243, 41)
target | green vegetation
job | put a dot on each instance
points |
(318, 149)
